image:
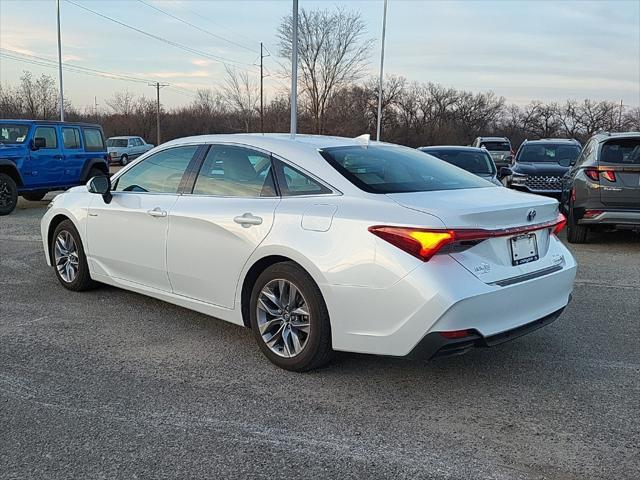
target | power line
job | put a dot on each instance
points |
(220, 37)
(161, 39)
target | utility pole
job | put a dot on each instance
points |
(294, 71)
(95, 106)
(60, 62)
(384, 27)
(158, 86)
(261, 91)
(620, 117)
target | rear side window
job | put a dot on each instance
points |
(623, 151)
(49, 135)
(293, 182)
(387, 169)
(159, 173)
(232, 171)
(71, 138)
(93, 141)
(496, 146)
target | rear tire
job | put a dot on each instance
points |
(34, 196)
(68, 258)
(575, 233)
(298, 330)
(95, 172)
(8, 194)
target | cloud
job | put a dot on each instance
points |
(193, 74)
(201, 62)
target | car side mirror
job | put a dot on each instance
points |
(38, 143)
(101, 185)
(505, 172)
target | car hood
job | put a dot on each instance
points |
(487, 207)
(540, 168)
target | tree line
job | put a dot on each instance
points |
(336, 98)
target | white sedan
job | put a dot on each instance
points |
(319, 244)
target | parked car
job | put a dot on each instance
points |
(319, 244)
(602, 188)
(123, 149)
(474, 160)
(539, 166)
(498, 147)
(37, 157)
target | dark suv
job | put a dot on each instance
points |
(602, 188)
(539, 166)
(37, 157)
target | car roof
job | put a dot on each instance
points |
(49, 122)
(494, 139)
(571, 141)
(604, 136)
(452, 147)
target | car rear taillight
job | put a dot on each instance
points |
(420, 243)
(591, 213)
(424, 243)
(592, 173)
(453, 334)
(609, 175)
(561, 222)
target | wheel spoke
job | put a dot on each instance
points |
(286, 335)
(273, 339)
(301, 310)
(271, 311)
(267, 292)
(270, 323)
(295, 340)
(291, 303)
(303, 326)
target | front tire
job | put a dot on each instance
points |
(289, 318)
(8, 194)
(124, 159)
(575, 233)
(68, 258)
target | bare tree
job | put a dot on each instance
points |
(332, 53)
(241, 95)
(39, 96)
(122, 103)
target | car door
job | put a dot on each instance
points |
(74, 156)
(214, 229)
(127, 237)
(46, 164)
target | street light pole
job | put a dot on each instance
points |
(294, 71)
(384, 27)
(60, 63)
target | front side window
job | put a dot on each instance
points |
(548, 153)
(389, 169)
(232, 171)
(71, 138)
(93, 141)
(476, 162)
(11, 133)
(49, 135)
(625, 151)
(159, 173)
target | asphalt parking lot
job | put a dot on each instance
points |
(111, 384)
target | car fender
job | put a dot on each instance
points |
(67, 205)
(10, 167)
(92, 162)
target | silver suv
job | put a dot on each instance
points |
(498, 147)
(123, 149)
(602, 188)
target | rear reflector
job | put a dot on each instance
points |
(591, 213)
(455, 334)
(424, 243)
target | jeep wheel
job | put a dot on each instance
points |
(124, 160)
(34, 196)
(8, 194)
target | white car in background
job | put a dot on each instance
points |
(319, 244)
(124, 149)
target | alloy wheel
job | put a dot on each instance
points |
(283, 318)
(66, 256)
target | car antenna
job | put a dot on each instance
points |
(364, 138)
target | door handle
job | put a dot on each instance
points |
(247, 219)
(157, 212)
(58, 157)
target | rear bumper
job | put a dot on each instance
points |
(435, 345)
(613, 217)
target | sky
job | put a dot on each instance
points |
(522, 50)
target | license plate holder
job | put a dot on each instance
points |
(524, 249)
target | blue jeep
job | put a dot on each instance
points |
(37, 157)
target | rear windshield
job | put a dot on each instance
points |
(11, 133)
(625, 151)
(496, 146)
(117, 142)
(476, 162)
(389, 169)
(548, 153)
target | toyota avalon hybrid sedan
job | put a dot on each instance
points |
(319, 244)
